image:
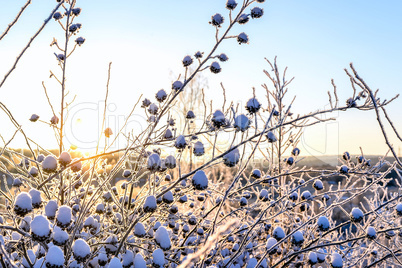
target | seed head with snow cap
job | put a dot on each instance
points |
(49, 164)
(232, 158)
(154, 162)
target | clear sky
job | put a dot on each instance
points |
(146, 40)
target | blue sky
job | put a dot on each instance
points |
(146, 40)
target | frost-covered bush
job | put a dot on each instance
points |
(206, 204)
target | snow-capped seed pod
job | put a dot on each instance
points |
(158, 258)
(278, 233)
(243, 202)
(398, 209)
(33, 172)
(154, 162)
(256, 173)
(243, 19)
(371, 232)
(215, 67)
(63, 216)
(190, 115)
(321, 255)
(344, 169)
(293, 196)
(180, 142)
(40, 158)
(346, 156)
(263, 196)
(145, 103)
(242, 38)
(161, 95)
(253, 106)
(34, 118)
(81, 250)
(271, 137)
(153, 109)
(187, 61)
(198, 54)
(318, 185)
(177, 86)
(60, 57)
(51, 209)
(200, 231)
(55, 257)
(115, 263)
(65, 158)
(162, 238)
(198, 149)
(323, 223)
(183, 199)
(80, 40)
(356, 215)
(163, 166)
(217, 20)
(57, 16)
(168, 134)
(257, 12)
(231, 158)
(304, 207)
(222, 57)
(60, 237)
(111, 244)
(192, 220)
(139, 261)
(295, 151)
(290, 161)
(26, 224)
(128, 259)
(173, 209)
(312, 258)
(108, 132)
(150, 204)
(218, 119)
(241, 123)
(297, 238)
(23, 204)
(76, 11)
(170, 162)
(139, 230)
(40, 228)
(200, 180)
(231, 4)
(49, 164)
(325, 197)
(168, 197)
(336, 260)
(73, 28)
(306, 195)
(100, 208)
(36, 198)
(126, 173)
(17, 182)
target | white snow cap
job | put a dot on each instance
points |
(162, 238)
(40, 226)
(252, 263)
(178, 86)
(49, 164)
(150, 204)
(297, 238)
(318, 185)
(371, 232)
(200, 180)
(55, 256)
(278, 233)
(63, 216)
(81, 249)
(218, 118)
(356, 215)
(198, 149)
(60, 237)
(312, 258)
(241, 123)
(115, 263)
(271, 137)
(336, 260)
(398, 209)
(33, 172)
(23, 203)
(51, 208)
(153, 109)
(256, 173)
(36, 198)
(128, 258)
(139, 261)
(76, 166)
(168, 134)
(154, 162)
(270, 243)
(139, 230)
(65, 158)
(180, 142)
(170, 162)
(158, 258)
(323, 223)
(232, 158)
(168, 197)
